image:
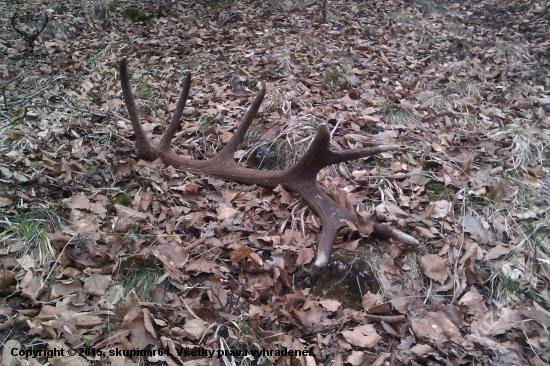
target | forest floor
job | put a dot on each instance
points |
(103, 252)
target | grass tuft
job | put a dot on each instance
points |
(336, 79)
(398, 116)
(26, 233)
(142, 280)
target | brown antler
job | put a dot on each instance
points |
(300, 178)
(29, 35)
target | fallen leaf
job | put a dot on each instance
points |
(286, 197)
(355, 358)
(434, 326)
(434, 267)
(196, 327)
(362, 336)
(473, 226)
(9, 359)
(330, 305)
(497, 251)
(96, 285)
(227, 213)
(130, 213)
(6, 277)
(472, 299)
(238, 254)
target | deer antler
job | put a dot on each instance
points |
(300, 178)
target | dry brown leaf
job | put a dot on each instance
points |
(330, 305)
(96, 285)
(170, 252)
(131, 302)
(421, 349)
(87, 321)
(374, 303)
(540, 316)
(473, 300)
(471, 251)
(201, 265)
(227, 213)
(390, 212)
(130, 213)
(7, 358)
(147, 322)
(497, 252)
(6, 277)
(355, 358)
(286, 197)
(434, 326)
(473, 226)
(434, 267)
(425, 233)
(140, 337)
(124, 167)
(196, 327)
(362, 336)
(364, 223)
(49, 312)
(285, 278)
(441, 209)
(65, 287)
(66, 359)
(380, 361)
(240, 253)
(305, 256)
(77, 201)
(31, 285)
(4, 201)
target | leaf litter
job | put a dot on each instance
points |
(230, 266)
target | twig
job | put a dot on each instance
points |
(7, 117)
(386, 318)
(19, 76)
(83, 110)
(22, 100)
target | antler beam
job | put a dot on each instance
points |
(300, 178)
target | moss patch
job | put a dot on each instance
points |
(134, 14)
(345, 278)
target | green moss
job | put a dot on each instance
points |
(134, 14)
(123, 199)
(341, 279)
(61, 9)
(436, 187)
(439, 191)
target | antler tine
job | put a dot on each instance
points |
(231, 146)
(165, 142)
(301, 179)
(319, 154)
(143, 146)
